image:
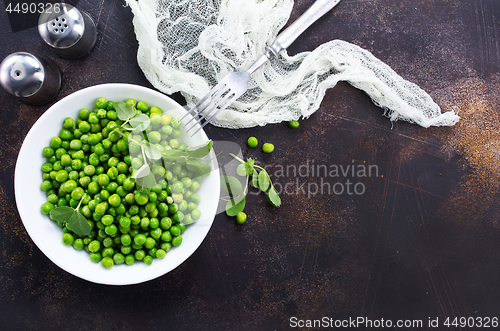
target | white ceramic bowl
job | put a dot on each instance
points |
(48, 236)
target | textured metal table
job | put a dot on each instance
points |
(420, 242)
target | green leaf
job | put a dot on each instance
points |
(198, 167)
(264, 181)
(199, 151)
(76, 221)
(145, 183)
(255, 179)
(140, 122)
(234, 206)
(61, 214)
(143, 171)
(231, 185)
(152, 152)
(173, 155)
(241, 169)
(78, 224)
(124, 111)
(273, 197)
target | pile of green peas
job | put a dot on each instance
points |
(90, 163)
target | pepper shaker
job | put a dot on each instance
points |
(34, 80)
(70, 32)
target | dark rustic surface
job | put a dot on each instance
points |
(421, 242)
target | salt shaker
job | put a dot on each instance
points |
(70, 32)
(34, 80)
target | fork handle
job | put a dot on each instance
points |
(288, 36)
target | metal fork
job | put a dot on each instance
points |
(236, 83)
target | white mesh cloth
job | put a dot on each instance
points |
(188, 46)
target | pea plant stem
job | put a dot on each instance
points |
(80, 203)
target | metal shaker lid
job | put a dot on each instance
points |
(21, 74)
(62, 29)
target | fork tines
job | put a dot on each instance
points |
(220, 97)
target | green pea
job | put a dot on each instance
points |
(101, 103)
(76, 164)
(293, 124)
(140, 239)
(252, 142)
(95, 257)
(139, 255)
(176, 241)
(68, 239)
(47, 207)
(94, 246)
(160, 253)
(99, 149)
(65, 160)
(122, 145)
(195, 198)
(52, 198)
(61, 176)
(141, 199)
(154, 137)
(155, 120)
(114, 200)
(101, 208)
(65, 134)
(166, 236)
(75, 144)
(46, 185)
(93, 139)
(148, 259)
(111, 105)
(241, 217)
(111, 230)
(195, 185)
(129, 259)
(183, 205)
(111, 114)
(268, 148)
(99, 170)
(174, 143)
(101, 114)
(142, 106)
(77, 193)
(84, 113)
(48, 151)
(68, 123)
(195, 214)
(70, 185)
(62, 202)
(84, 126)
(78, 244)
(166, 129)
(175, 230)
(176, 123)
(144, 223)
(103, 179)
(107, 262)
(107, 220)
(150, 243)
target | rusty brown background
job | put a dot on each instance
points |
(421, 242)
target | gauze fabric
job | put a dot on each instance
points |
(188, 46)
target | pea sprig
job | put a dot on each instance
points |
(144, 177)
(257, 177)
(74, 219)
